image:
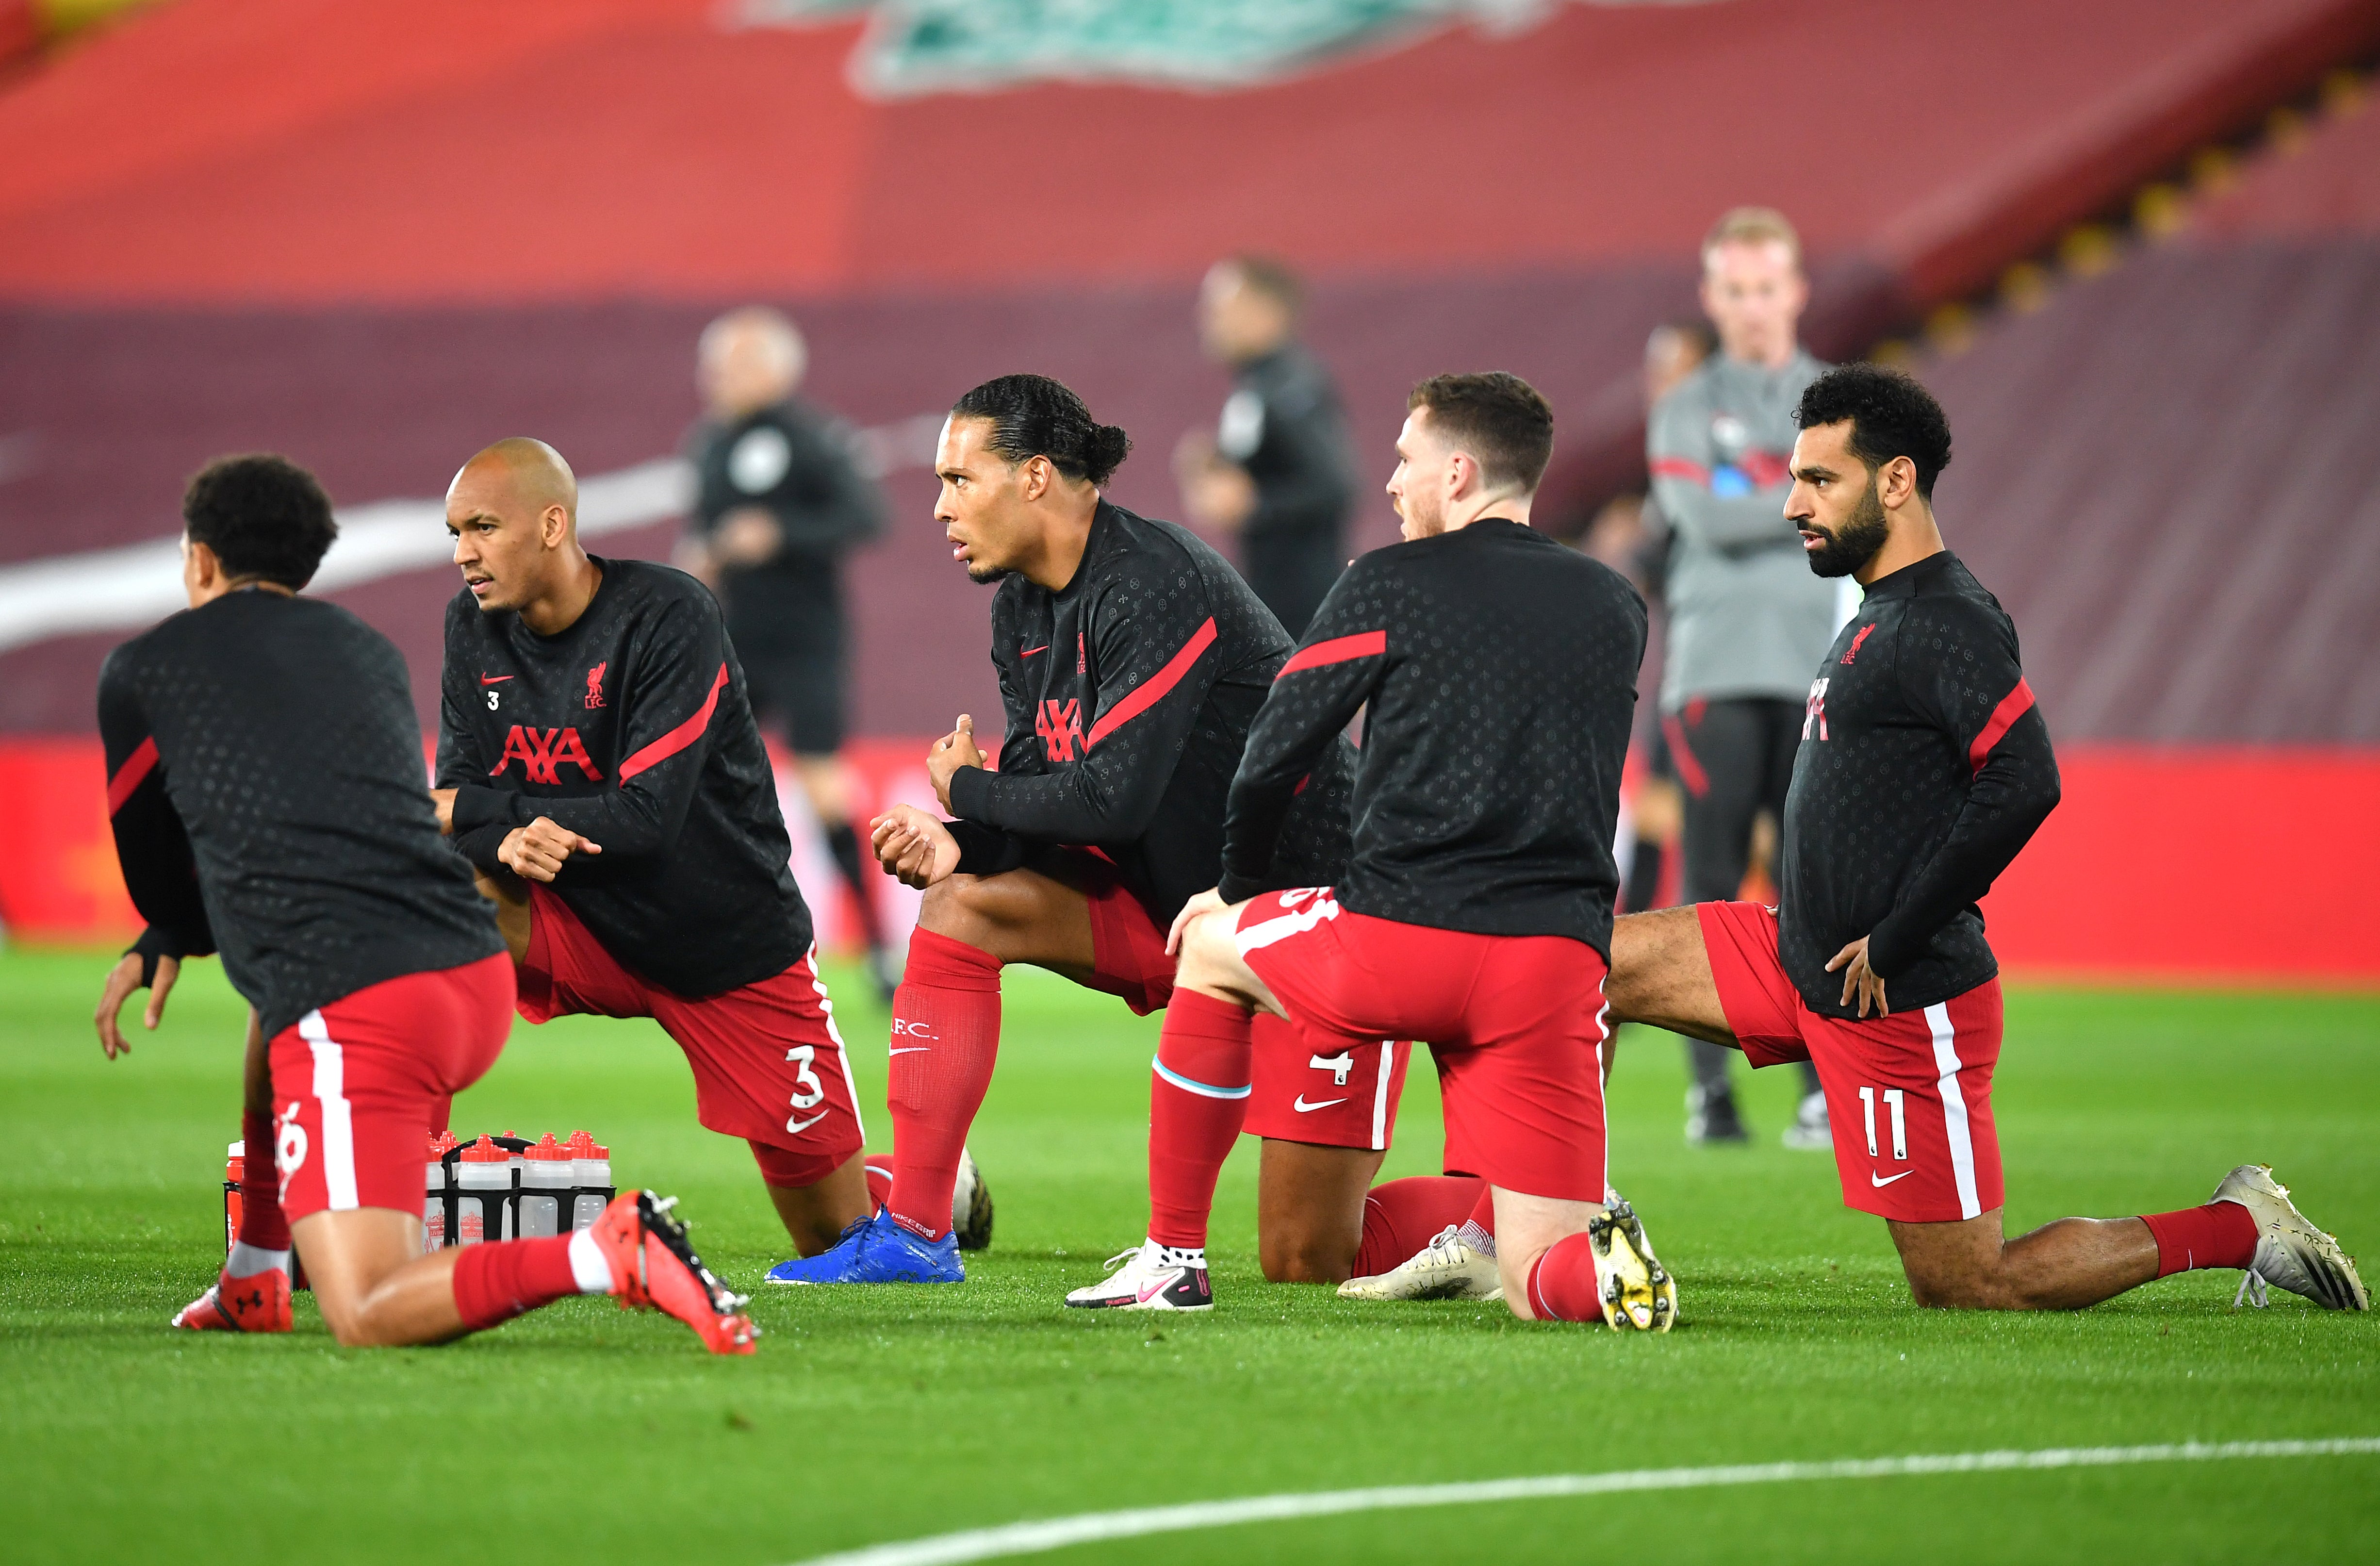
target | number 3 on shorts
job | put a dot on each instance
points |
(806, 1078)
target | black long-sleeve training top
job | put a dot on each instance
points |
(1924, 768)
(1283, 424)
(630, 727)
(1129, 693)
(265, 786)
(1498, 671)
(796, 463)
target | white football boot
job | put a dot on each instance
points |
(1153, 1277)
(1810, 1133)
(970, 1205)
(2290, 1251)
(1638, 1292)
(1450, 1267)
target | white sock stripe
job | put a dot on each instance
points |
(1954, 1108)
(1202, 1089)
(338, 1149)
(1380, 1095)
(588, 1269)
(1286, 925)
(1035, 1537)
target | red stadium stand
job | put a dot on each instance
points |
(375, 236)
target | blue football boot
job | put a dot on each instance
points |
(877, 1250)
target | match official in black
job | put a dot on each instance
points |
(1277, 471)
(780, 502)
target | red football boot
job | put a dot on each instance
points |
(257, 1303)
(654, 1267)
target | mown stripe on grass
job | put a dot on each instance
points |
(1057, 1533)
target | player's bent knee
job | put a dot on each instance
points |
(962, 908)
(1303, 1255)
(1209, 956)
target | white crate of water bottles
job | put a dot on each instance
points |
(507, 1187)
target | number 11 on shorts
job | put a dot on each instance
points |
(1892, 1100)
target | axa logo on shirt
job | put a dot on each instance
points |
(1813, 715)
(543, 753)
(1060, 726)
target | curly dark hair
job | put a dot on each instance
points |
(1890, 415)
(1033, 416)
(262, 515)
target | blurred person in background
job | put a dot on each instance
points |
(780, 502)
(1747, 620)
(1276, 472)
(1638, 544)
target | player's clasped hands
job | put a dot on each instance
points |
(913, 846)
(954, 750)
(538, 851)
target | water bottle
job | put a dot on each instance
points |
(483, 1186)
(590, 1178)
(234, 1170)
(435, 1193)
(546, 1189)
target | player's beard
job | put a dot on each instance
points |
(1421, 518)
(1857, 541)
(989, 576)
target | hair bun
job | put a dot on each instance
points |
(1104, 451)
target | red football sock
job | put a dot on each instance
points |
(262, 1224)
(2218, 1234)
(1483, 1211)
(1562, 1285)
(945, 1036)
(496, 1282)
(1403, 1216)
(879, 1183)
(1197, 1097)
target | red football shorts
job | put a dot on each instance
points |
(1127, 948)
(358, 1084)
(1516, 1023)
(767, 1062)
(1909, 1095)
(1322, 1088)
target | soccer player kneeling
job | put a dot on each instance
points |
(265, 781)
(1925, 766)
(1498, 674)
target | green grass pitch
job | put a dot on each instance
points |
(588, 1435)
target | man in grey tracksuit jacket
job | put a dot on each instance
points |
(1748, 623)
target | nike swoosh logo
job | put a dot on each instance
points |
(494, 679)
(1889, 1179)
(1150, 1291)
(909, 1049)
(1301, 1107)
(797, 1128)
(1029, 651)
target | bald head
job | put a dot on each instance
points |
(750, 358)
(527, 473)
(512, 512)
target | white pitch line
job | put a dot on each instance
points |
(135, 586)
(1057, 1533)
(138, 585)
